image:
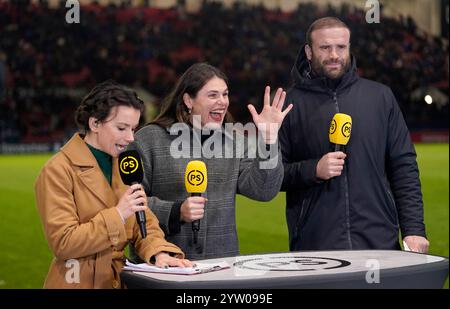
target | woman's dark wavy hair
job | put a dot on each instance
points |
(101, 99)
(173, 108)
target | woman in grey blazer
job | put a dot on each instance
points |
(194, 124)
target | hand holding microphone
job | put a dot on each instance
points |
(332, 164)
(134, 199)
(193, 208)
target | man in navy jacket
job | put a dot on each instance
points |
(362, 197)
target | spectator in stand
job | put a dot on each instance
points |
(157, 45)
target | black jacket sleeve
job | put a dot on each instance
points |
(403, 172)
(300, 174)
(174, 219)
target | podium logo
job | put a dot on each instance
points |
(195, 178)
(291, 263)
(128, 165)
(73, 273)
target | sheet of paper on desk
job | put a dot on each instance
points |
(405, 247)
(199, 268)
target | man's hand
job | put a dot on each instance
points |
(417, 243)
(330, 165)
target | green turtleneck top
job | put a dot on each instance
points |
(104, 160)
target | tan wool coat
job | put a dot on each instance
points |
(83, 228)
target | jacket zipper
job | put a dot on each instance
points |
(299, 220)
(394, 207)
(347, 202)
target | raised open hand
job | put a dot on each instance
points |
(271, 117)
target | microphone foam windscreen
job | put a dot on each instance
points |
(130, 167)
(195, 177)
(340, 129)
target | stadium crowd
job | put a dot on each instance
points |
(46, 64)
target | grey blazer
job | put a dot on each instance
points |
(240, 174)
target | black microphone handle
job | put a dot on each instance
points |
(196, 223)
(338, 147)
(141, 219)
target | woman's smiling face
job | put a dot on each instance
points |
(210, 103)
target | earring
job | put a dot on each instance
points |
(189, 111)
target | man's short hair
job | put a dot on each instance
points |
(324, 23)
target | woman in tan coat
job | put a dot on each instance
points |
(86, 210)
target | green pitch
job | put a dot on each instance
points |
(25, 257)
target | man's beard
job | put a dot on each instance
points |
(320, 70)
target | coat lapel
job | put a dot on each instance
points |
(117, 184)
(96, 182)
(89, 172)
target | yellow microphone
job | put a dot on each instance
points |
(195, 178)
(196, 181)
(340, 130)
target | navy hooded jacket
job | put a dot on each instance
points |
(379, 189)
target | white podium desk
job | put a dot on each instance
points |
(309, 269)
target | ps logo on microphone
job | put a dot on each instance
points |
(346, 129)
(333, 126)
(195, 177)
(128, 165)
